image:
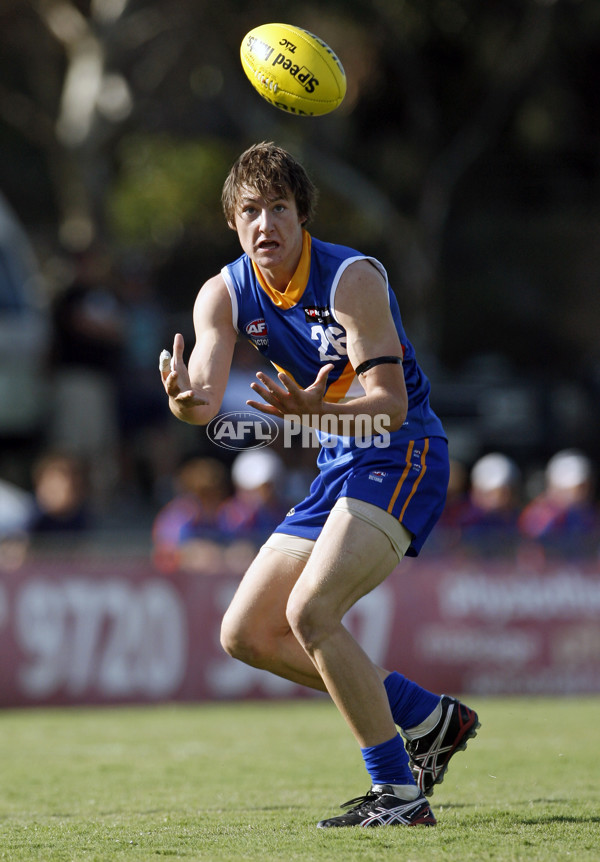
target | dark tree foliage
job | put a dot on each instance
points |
(466, 154)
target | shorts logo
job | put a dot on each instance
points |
(257, 332)
(377, 475)
(317, 314)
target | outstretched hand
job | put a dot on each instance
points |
(289, 398)
(176, 378)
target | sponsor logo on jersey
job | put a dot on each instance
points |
(377, 475)
(317, 314)
(257, 332)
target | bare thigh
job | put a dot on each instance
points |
(257, 610)
(350, 558)
(255, 629)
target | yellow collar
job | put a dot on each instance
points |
(297, 285)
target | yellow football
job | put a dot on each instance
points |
(293, 69)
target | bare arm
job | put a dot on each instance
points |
(362, 308)
(196, 391)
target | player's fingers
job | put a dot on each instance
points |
(324, 372)
(171, 382)
(269, 396)
(321, 378)
(178, 348)
(164, 364)
(189, 399)
(265, 408)
(289, 383)
(269, 384)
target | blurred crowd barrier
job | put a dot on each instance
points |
(124, 533)
(220, 513)
(114, 629)
(505, 597)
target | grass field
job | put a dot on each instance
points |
(249, 781)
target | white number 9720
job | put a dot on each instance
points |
(116, 638)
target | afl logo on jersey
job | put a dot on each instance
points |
(257, 332)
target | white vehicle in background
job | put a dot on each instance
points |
(24, 333)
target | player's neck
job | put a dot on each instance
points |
(279, 276)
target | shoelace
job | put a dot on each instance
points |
(359, 801)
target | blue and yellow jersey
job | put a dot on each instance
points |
(298, 330)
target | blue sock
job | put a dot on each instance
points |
(410, 704)
(387, 763)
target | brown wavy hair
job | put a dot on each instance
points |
(267, 168)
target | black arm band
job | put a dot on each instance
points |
(380, 360)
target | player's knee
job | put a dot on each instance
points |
(310, 622)
(241, 640)
(236, 638)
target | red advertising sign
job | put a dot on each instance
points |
(81, 631)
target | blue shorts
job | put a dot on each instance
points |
(408, 480)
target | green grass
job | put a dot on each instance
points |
(249, 781)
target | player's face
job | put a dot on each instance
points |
(270, 231)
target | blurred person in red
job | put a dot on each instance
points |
(185, 532)
(563, 519)
(489, 521)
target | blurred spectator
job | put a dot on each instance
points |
(489, 521)
(61, 495)
(447, 532)
(86, 354)
(185, 531)
(563, 518)
(16, 508)
(146, 428)
(13, 551)
(206, 528)
(257, 505)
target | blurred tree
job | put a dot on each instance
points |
(465, 123)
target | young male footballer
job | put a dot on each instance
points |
(326, 318)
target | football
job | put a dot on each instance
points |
(293, 69)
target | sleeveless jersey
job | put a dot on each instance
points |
(298, 331)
